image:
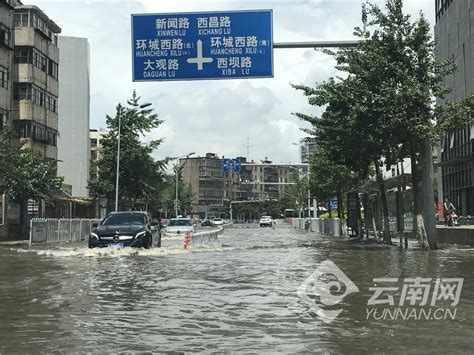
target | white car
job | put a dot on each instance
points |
(218, 221)
(266, 221)
(180, 226)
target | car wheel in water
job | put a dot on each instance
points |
(148, 243)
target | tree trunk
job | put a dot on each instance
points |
(383, 196)
(339, 205)
(374, 225)
(428, 195)
(418, 222)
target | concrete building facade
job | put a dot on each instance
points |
(214, 190)
(35, 80)
(454, 33)
(95, 138)
(74, 151)
(7, 11)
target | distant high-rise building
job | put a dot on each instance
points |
(307, 147)
(74, 114)
(214, 190)
(95, 138)
(455, 39)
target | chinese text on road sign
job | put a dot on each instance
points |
(230, 165)
(187, 46)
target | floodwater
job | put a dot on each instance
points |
(238, 294)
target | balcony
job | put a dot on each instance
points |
(28, 129)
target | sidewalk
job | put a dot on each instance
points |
(456, 235)
(471, 226)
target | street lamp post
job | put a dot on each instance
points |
(315, 215)
(176, 201)
(118, 152)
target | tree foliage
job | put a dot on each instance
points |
(141, 176)
(24, 174)
(165, 200)
(383, 110)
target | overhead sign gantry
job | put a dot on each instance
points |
(196, 46)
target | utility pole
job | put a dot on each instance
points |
(118, 159)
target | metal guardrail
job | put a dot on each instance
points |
(327, 226)
(199, 237)
(48, 230)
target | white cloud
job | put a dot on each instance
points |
(215, 116)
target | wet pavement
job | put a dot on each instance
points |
(237, 294)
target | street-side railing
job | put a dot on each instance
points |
(327, 226)
(206, 236)
(49, 230)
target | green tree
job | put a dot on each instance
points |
(24, 174)
(390, 110)
(141, 176)
(330, 178)
(168, 193)
(296, 196)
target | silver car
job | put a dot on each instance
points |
(180, 226)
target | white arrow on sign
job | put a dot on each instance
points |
(200, 60)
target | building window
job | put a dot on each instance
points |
(21, 91)
(36, 131)
(27, 91)
(52, 69)
(94, 143)
(23, 55)
(441, 6)
(5, 36)
(3, 77)
(3, 119)
(39, 60)
(30, 55)
(39, 24)
(22, 19)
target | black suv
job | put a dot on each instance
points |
(121, 229)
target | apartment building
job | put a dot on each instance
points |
(95, 137)
(214, 190)
(454, 33)
(206, 179)
(7, 11)
(35, 80)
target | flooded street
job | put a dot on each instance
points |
(234, 295)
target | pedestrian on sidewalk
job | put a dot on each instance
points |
(448, 210)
